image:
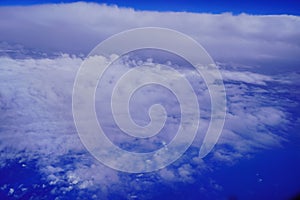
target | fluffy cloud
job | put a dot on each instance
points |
(36, 124)
(79, 27)
(35, 93)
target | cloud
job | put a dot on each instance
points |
(36, 104)
(36, 91)
(246, 77)
(79, 27)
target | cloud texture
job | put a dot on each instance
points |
(79, 27)
(36, 124)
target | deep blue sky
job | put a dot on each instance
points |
(210, 6)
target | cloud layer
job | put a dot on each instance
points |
(37, 125)
(79, 27)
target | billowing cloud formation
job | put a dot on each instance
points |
(37, 129)
(79, 27)
(37, 126)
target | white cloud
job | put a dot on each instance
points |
(79, 27)
(246, 77)
(36, 105)
(35, 94)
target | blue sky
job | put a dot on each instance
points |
(212, 6)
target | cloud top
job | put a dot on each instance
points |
(78, 27)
